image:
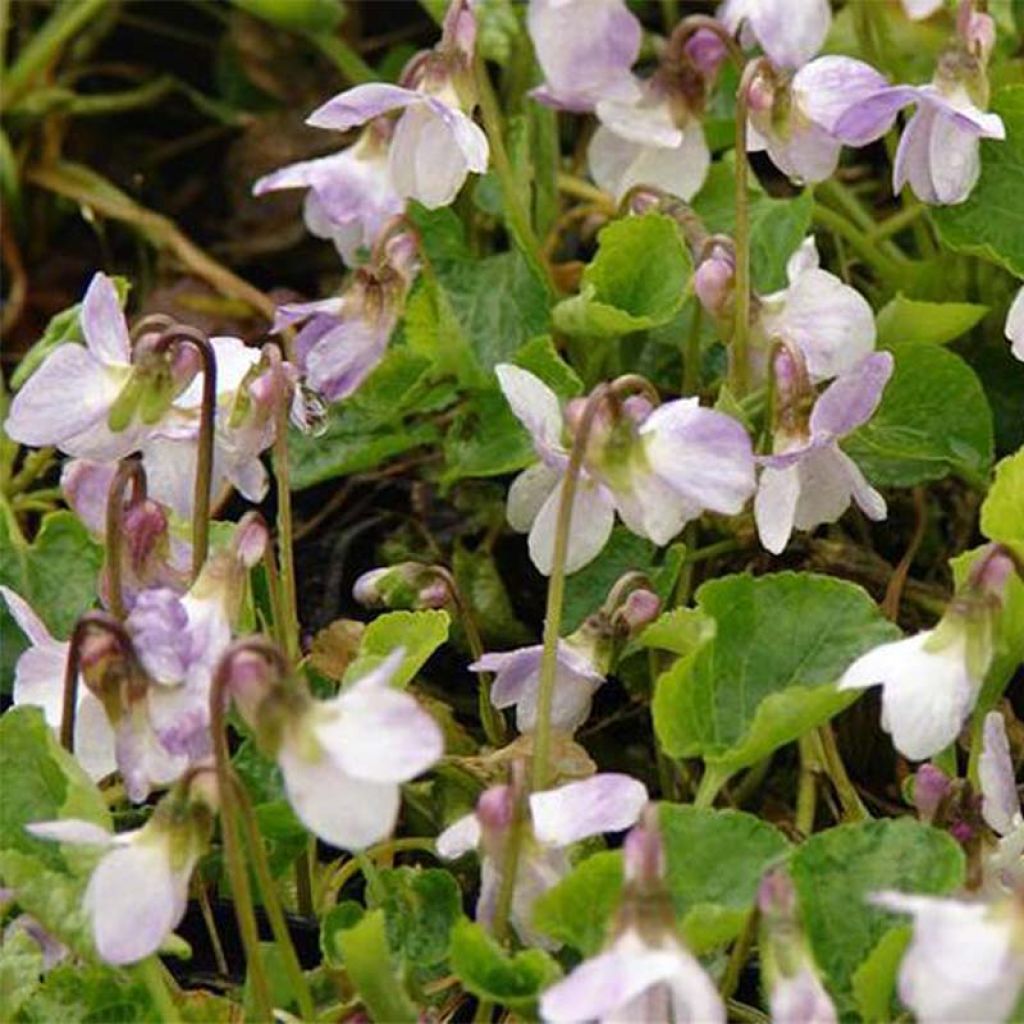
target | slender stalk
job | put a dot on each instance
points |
(897, 222)
(129, 472)
(150, 972)
(711, 784)
(691, 355)
(573, 186)
(738, 955)
(344, 874)
(490, 716)
(285, 544)
(371, 876)
(738, 350)
(211, 929)
(853, 809)
(556, 589)
(511, 856)
(180, 334)
(518, 214)
(807, 789)
(89, 621)
(272, 903)
(861, 243)
(238, 877)
(304, 865)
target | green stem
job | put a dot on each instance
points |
(739, 954)
(285, 547)
(304, 865)
(272, 903)
(739, 357)
(344, 874)
(807, 791)
(238, 877)
(67, 20)
(896, 223)
(849, 799)
(556, 591)
(711, 784)
(691, 356)
(721, 547)
(518, 215)
(150, 972)
(372, 877)
(861, 243)
(510, 863)
(343, 57)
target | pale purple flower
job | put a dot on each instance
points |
(344, 759)
(964, 959)
(680, 460)
(1014, 329)
(39, 682)
(1000, 803)
(831, 323)
(800, 998)
(585, 49)
(795, 120)
(517, 684)
(68, 400)
(810, 480)
(350, 198)
(559, 817)
(918, 10)
(434, 146)
(636, 979)
(789, 31)
(138, 891)
(640, 141)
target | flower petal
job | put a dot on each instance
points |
(103, 323)
(872, 116)
(954, 159)
(535, 405)
(852, 398)
(591, 521)
(460, 837)
(528, 493)
(608, 802)
(358, 105)
(775, 506)
(828, 86)
(94, 737)
(1000, 805)
(71, 830)
(86, 486)
(1015, 325)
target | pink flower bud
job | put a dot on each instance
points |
(976, 29)
(643, 200)
(760, 95)
(144, 527)
(641, 608)
(776, 896)
(495, 809)
(643, 852)
(366, 589)
(706, 52)
(637, 408)
(931, 787)
(714, 279)
(251, 539)
(185, 364)
(992, 571)
(434, 595)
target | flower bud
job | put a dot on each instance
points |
(496, 809)
(776, 897)
(644, 853)
(409, 585)
(761, 94)
(977, 30)
(714, 280)
(990, 573)
(251, 539)
(931, 787)
(640, 609)
(706, 51)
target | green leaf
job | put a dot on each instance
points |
(57, 574)
(540, 358)
(990, 222)
(636, 281)
(768, 674)
(421, 907)
(874, 983)
(487, 971)
(420, 633)
(715, 860)
(75, 993)
(836, 871)
(680, 630)
(318, 16)
(777, 226)
(63, 327)
(480, 582)
(933, 420)
(905, 320)
(367, 958)
(374, 425)
(342, 916)
(21, 968)
(467, 314)
(578, 909)
(1002, 511)
(485, 439)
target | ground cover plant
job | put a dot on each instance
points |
(512, 511)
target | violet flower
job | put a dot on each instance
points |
(1000, 804)
(585, 49)
(350, 199)
(930, 681)
(831, 323)
(645, 973)
(794, 118)
(789, 31)
(559, 817)
(667, 466)
(344, 759)
(1014, 329)
(964, 958)
(435, 144)
(39, 682)
(810, 480)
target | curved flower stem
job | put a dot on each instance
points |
(347, 871)
(518, 214)
(285, 543)
(272, 903)
(238, 876)
(739, 357)
(739, 954)
(556, 589)
(129, 472)
(150, 971)
(490, 716)
(181, 334)
(512, 852)
(89, 621)
(849, 800)
(694, 23)
(887, 268)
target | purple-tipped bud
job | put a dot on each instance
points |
(251, 539)
(776, 896)
(977, 30)
(706, 52)
(760, 94)
(401, 254)
(405, 585)
(185, 363)
(640, 609)
(931, 786)
(790, 375)
(644, 852)
(434, 595)
(459, 28)
(495, 809)
(714, 280)
(202, 787)
(992, 571)
(144, 526)
(367, 589)
(962, 831)
(644, 200)
(637, 408)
